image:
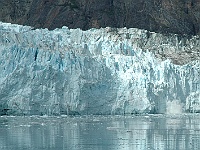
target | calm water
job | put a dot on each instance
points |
(100, 133)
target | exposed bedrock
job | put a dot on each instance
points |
(166, 16)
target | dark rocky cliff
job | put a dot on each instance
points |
(174, 16)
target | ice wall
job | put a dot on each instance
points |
(99, 71)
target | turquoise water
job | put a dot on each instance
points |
(152, 132)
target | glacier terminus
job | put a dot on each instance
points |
(98, 71)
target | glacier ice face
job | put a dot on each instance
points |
(99, 71)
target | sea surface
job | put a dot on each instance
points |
(150, 132)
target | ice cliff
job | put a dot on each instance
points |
(98, 71)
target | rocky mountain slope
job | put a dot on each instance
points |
(174, 16)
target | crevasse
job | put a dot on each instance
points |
(98, 71)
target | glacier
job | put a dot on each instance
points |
(98, 71)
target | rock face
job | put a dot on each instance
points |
(173, 16)
(99, 71)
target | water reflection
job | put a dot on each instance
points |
(100, 133)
